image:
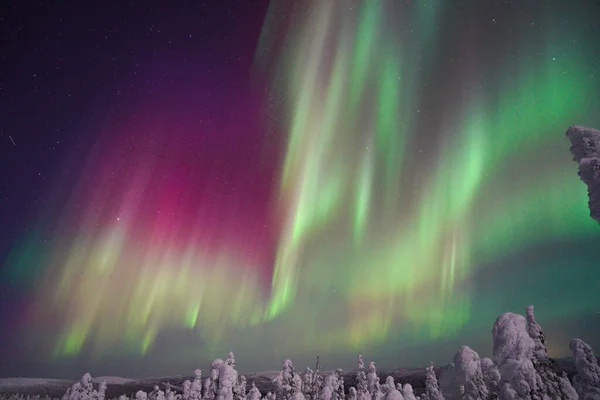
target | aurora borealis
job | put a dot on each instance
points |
(289, 179)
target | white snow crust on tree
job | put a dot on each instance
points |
(391, 392)
(469, 374)
(141, 395)
(432, 389)
(373, 384)
(254, 393)
(513, 351)
(362, 387)
(491, 375)
(587, 379)
(585, 147)
(407, 392)
(549, 384)
(535, 333)
(284, 381)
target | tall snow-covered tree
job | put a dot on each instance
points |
(187, 389)
(239, 389)
(391, 392)
(373, 384)
(211, 385)
(284, 381)
(339, 384)
(549, 383)
(196, 386)
(469, 374)
(513, 351)
(407, 392)
(432, 389)
(317, 379)
(228, 376)
(587, 379)
(254, 393)
(352, 394)
(141, 395)
(491, 376)
(362, 386)
(307, 383)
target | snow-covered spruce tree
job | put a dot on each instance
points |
(187, 389)
(211, 384)
(513, 351)
(156, 394)
(491, 376)
(587, 379)
(362, 387)
(407, 392)
(297, 388)
(228, 376)
(392, 393)
(469, 374)
(239, 389)
(307, 383)
(284, 380)
(317, 379)
(101, 393)
(352, 394)
(328, 390)
(373, 384)
(123, 397)
(432, 389)
(141, 395)
(254, 393)
(196, 386)
(169, 393)
(549, 384)
(67, 394)
(339, 384)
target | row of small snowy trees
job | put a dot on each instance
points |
(520, 369)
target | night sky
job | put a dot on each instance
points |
(290, 178)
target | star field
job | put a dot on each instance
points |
(288, 179)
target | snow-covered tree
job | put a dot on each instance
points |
(169, 393)
(352, 394)
(362, 386)
(432, 389)
(211, 384)
(328, 392)
(254, 393)
(407, 392)
(391, 392)
(195, 391)
(307, 383)
(587, 379)
(155, 393)
(284, 381)
(469, 374)
(317, 379)
(228, 376)
(239, 389)
(123, 397)
(491, 376)
(513, 352)
(101, 393)
(373, 384)
(535, 332)
(338, 380)
(187, 388)
(141, 395)
(549, 384)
